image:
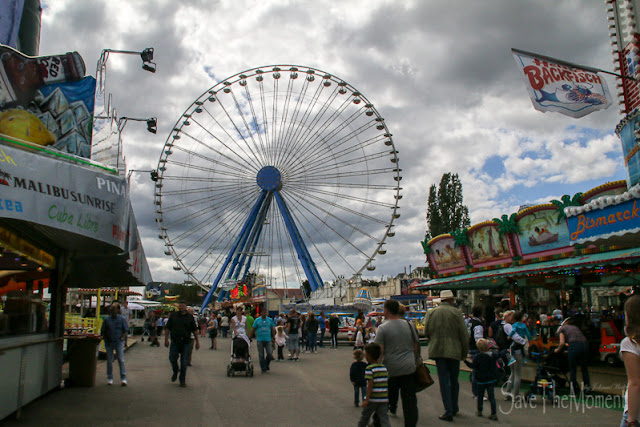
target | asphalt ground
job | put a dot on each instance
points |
(312, 392)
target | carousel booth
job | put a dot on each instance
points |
(558, 255)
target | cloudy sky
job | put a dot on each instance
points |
(440, 73)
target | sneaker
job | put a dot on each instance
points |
(123, 383)
(183, 384)
(109, 381)
(493, 417)
(511, 361)
(297, 359)
(174, 377)
(356, 404)
(478, 414)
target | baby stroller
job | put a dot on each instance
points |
(548, 377)
(240, 358)
(502, 369)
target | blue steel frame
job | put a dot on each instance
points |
(240, 255)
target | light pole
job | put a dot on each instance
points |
(104, 113)
(152, 126)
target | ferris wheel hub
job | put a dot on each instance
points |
(269, 178)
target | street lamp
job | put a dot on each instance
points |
(152, 124)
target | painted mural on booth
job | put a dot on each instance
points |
(541, 232)
(487, 245)
(446, 255)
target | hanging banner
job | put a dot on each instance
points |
(574, 92)
(65, 196)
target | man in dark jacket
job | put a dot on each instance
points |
(180, 326)
(114, 331)
(334, 327)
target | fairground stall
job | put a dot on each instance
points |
(65, 220)
(559, 255)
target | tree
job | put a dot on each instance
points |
(306, 288)
(445, 211)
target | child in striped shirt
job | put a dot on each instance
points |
(377, 399)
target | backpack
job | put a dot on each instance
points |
(502, 340)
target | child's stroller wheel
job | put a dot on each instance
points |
(229, 371)
(250, 371)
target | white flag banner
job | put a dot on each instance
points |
(574, 92)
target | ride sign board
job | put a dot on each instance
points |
(574, 92)
(613, 220)
(626, 130)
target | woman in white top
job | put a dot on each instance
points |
(630, 354)
(239, 325)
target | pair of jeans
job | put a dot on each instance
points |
(579, 355)
(225, 330)
(322, 332)
(448, 372)
(180, 350)
(334, 339)
(379, 412)
(474, 383)
(312, 341)
(480, 388)
(357, 391)
(516, 373)
(405, 387)
(264, 354)
(118, 347)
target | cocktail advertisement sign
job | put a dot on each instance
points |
(47, 100)
(574, 92)
(630, 148)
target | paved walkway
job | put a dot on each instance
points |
(313, 392)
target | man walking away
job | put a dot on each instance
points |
(448, 345)
(334, 327)
(293, 325)
(114, 332)
(264, 331)
(398, 341)
(180, 326)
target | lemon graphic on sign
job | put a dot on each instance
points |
(24, 125)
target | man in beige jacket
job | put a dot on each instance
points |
(448, 345)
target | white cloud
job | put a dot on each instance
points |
(440, 73)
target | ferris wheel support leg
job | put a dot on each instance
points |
(303, 254)
(244, 256)
(242, 237)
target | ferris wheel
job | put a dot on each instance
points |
(284, 173)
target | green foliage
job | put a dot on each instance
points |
(445, 211)
(566, 202)
(306, 288)
(460, 238)
(507, 225)
(425, 246)
(188, 293)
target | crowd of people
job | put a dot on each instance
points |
(390, 348)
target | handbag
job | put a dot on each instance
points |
(422, 376)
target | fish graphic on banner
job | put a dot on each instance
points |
(574, 91)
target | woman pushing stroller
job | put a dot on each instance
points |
(240, 335)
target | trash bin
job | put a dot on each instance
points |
(83, 359)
